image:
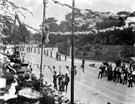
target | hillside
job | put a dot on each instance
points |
(101, 52)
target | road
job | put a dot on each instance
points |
(88, 88)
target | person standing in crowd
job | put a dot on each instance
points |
(62, 84)
(125, 75)
(100, 74)
(118, 75)
(55, 80)
(130, 81)
(67, 67)
(8, 54)
(59, 81)
(122, 77)
(114, 74)
(47, 53)
(131, 66)
(109, 72)
(53, 68)
(44, 52)
(67, 79)
(57, 56)
(31, 68)
(83, 64)
(51, 53)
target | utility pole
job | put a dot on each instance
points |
(43, 36)
(72, 54)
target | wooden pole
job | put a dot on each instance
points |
(72, 55)
(43, 34)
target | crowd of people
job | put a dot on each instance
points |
(22, 70)
(22, 74)
(120, 73)
(61, 81)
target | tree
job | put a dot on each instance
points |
(126, 13)
(15, 34)
(65, 26)
(107, 23)
(53, 26)
(36, 37)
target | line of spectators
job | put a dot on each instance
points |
(47, 52)
(120, 73)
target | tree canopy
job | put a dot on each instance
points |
(14, 33)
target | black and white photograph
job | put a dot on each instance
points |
(67, 51)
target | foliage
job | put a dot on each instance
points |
(14, 33)
(126, 13)
(84, 21)
(52, 23)
(102, 52)
(127, 52)
(87, 48)
(65, 26)
(116, 37)
(88, 21)
(36, 37)
(107, 23)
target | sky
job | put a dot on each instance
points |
(57, 11)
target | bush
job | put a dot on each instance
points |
(87, 48)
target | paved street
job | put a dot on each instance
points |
(87, 87)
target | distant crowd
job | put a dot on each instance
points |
(51, 52)
(120, 74)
